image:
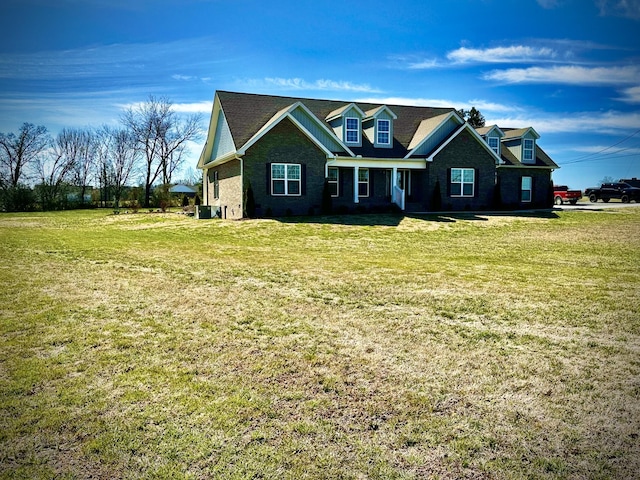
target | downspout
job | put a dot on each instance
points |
(242, 187)
(205, 186)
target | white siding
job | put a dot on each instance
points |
(223, 141)
(311, 124)
(436, 138)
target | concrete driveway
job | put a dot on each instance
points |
(587, 205)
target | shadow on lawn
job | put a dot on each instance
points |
(393, 220)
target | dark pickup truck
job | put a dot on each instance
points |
(622, 191)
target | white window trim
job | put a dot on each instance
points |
(365, 183)
(347, 130)
(378, 132)
(530, 189)
(525, 150)
(336, 181)
(463, 183)
(286, 180)
(497, 146)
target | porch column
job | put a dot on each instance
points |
(394, 178)
(356, 199)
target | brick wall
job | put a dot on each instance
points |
(285, 143)
(230, 190)
(510, 180)
(464, 151)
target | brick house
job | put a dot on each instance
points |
(292, 152)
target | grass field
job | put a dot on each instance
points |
(159, 346)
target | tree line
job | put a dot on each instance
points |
(149, 144)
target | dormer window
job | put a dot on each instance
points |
(377, 126)
(494, 144)
(383, 130)
(352, 130)
(346, 123)
(527, 151)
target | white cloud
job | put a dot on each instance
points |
(482, 105)
(322, 84)
(424, 64)
(203, 106)
(609, 149)
(514, 53)
(620, 8)
(549, 4)
(568, 74)
(416, 102)
(196, 107)
(630, 95)
(186, 78)
(580, 122)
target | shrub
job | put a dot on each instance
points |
(436, 197)
(326, 199)
(250, 203)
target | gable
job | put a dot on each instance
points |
(307, 123)
(219, 140)
(317, 129)
(222, 142)
(464, 149)
(468, 131)
(431, 133)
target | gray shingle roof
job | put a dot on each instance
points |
(246, 113)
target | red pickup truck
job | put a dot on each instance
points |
(561, 194)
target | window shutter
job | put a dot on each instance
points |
(476, 181)
(533, 189)
(268, 176)
(303, 179)
(448, 182)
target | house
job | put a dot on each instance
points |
(290, 152)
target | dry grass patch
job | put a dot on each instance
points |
(140, 346)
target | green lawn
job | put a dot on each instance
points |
(363, 347)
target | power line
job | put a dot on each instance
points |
(612, 156)
(584, 157)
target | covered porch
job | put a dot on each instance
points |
(369, 184)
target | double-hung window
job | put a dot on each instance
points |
(363, 182)
(285, 179)
(384, 131)
(494, 144)
(527, 150)
(526, 189)
(462, 181)
(332, 179)
(352, 130)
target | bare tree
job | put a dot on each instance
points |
(190, 177)
(78, 146)
(162, 137)
(20, 152)
(118, 159)
(53, 168)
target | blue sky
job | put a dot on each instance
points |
(569, 68)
